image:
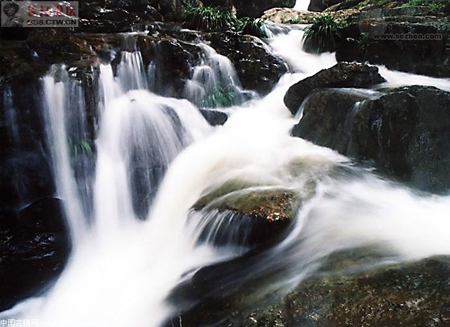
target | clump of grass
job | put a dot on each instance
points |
(216, 19)
(252, 26)
(220, 97)
(322, 35)
(209, 19)
(81, 147)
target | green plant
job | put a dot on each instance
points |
(433, 4)
(295, 20)
(220, 97)
(79, 147)
(321, 36)
(209, 19)
(252, 26)
(363, 41)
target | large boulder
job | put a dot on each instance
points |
(258, 68)
(328, 116)
(406, 39)
(343, 74)
(404, 132)
(412, 294)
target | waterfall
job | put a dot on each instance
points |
(135, 236)
(301, 4)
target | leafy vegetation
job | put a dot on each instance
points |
(433, 4)
(209, 19)
(215, 19)
(220, 97)
(80, 147)
(321, 36)
(295, 20)
(252, 26)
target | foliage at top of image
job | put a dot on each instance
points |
(433, 4)
(321, 36)
(209, 19)
(216, 19)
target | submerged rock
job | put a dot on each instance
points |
(266, 214)
(404, 132)
(343, 74)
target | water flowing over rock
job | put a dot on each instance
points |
(402, 131)
(257, 67)
(150, 179)
(413, 294)
(265, 214)
(341, 75)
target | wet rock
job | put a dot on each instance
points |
(256, 8)
(226, 4)
(214, 117)
(404, 132)
(291, 16)
(266, 213)
(321, 5)
(29, 261)
(54, 46)
(173, 60)
(257, 67)
(406, 39)
(328, 117)
(341, 75)
(410, 294)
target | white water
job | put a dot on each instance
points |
(301, 5)
(124, 267)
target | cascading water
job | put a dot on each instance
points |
(155, 157)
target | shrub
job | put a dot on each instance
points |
(209, 19)
(252, 26)
(220, 97)
(321, 36)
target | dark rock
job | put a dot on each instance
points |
(25, 177)
(55, 46)
(214, 117)
(341, 75)
(225, 4)
(410, 294)
(29, 261)
(259, 217)
(321, 5)
(403, 131)
(43, 214)
(328, 116)
(405, 39)
(173, 59)
(257, 8)
(257, 67)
